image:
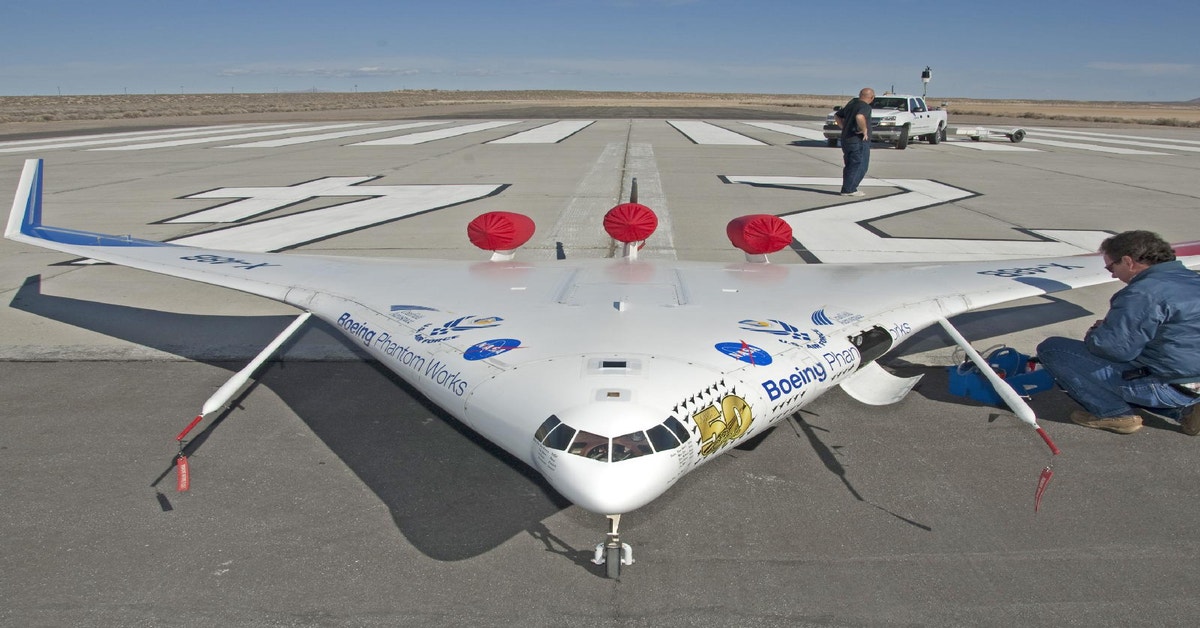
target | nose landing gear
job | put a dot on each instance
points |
(612, 553)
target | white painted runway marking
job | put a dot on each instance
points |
(579, 227)
(641, 165)
(1116, 139)
(440, 134)
(838, 234)
(222, 138)
(125, 135)
(790, 129)
(547, 134)
(1001, 146)
(709, 134)
(304, 139)
(1092, 147)
(117, 138)
(260, 200)
(1151, 138)
(390, 202)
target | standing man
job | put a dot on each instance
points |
(1146, 350)
(855, 121)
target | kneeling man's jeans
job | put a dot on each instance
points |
(1097, 384)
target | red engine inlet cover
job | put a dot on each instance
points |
(500, 231)
(630, 222)
(759, 234)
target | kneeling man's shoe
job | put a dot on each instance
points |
(1124, 424)
(1190, 424)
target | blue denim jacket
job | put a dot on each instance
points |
(1154, 322)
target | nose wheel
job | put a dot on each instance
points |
(612, 553)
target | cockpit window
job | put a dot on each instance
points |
(661, 438)
(630, 446)
(560, 437)
(590, 445)
(679, 430)
(555, 434)
(547, 425)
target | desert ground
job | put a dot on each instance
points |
(34, 114)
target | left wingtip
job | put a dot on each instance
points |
(26, 214)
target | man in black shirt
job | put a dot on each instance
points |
(855, 120)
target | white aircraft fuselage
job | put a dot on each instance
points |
(622, 353)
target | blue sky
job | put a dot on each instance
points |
(1053, 49)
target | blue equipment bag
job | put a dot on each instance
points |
(1021, 372)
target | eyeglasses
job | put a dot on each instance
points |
(1109, 267)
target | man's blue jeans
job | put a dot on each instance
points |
(856, 155)
(1097, 384)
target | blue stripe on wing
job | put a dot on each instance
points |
(31, 223)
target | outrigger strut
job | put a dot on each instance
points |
(1012, 399)
(228, 390)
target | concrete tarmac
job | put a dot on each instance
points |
(332, 495)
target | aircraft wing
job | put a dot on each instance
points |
(694, 356)
(613, 378)
(675, 308)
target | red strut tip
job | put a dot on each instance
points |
(187, 429)
(1046, 437)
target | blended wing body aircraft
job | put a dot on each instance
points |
(612, 377)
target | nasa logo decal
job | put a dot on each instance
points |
(491, 348)
(747, 353)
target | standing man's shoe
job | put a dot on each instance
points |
(1124, 424)
(854, 193)
(1190, 424)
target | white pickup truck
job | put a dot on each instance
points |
(897, 119)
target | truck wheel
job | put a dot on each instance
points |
(832, 142)
(1018, 135)
(938, 135)
(902, 143)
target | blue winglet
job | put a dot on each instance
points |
(33, 206)
(26, 219)
(27, 204)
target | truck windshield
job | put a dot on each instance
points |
(890, 103)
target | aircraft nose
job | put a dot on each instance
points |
(611, 474)
(608, 487)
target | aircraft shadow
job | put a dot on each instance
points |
(935, 383)
(453, 494)
(992, 324)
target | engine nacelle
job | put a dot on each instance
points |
(759, 234)
(500, 232)
(630, 224)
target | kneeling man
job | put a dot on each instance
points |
(1146, 350)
